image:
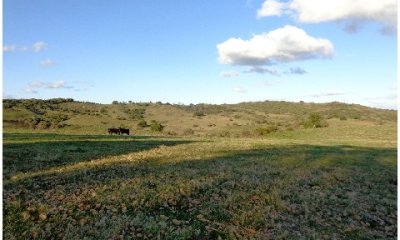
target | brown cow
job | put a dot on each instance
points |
(114, 130)
(124, 130)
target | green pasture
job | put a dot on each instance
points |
(303, 184)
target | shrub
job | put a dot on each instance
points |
(315, 121)
(142, 124)
(343, 118)
(32, 122)
(156, 126)
(199, 114)
(43, 124)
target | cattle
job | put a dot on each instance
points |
(114, 130)
(124, 130)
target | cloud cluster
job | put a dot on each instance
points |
(352, 12)
(35, 47)
(286, 44)
(34, 86)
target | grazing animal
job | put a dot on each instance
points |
(124, 130)
(114, 130)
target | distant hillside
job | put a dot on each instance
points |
(237, 120)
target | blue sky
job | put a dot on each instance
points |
(184, 51)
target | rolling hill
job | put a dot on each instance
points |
(227, 120)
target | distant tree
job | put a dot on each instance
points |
(115, 102)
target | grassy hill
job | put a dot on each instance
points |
(226, 120)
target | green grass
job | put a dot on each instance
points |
(217, 178)
(291, 185)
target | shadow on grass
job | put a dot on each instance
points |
(269, 192)
(53, 150)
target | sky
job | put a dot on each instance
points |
(195, 51)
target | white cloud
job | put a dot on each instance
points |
(229, 74)
(282, 45)
(271, 8)
(353, 12)
(35, 47)
(34, 86)
(262, 70)
(47, 63)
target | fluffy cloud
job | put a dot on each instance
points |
(35, 85)
(282, 45)
(271, 8)
(353, 12)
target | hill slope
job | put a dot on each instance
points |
(235, 120)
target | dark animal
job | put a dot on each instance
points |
(114, 130)
(124, 130)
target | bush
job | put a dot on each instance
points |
(43, 124)
(142, 124)
(199, 114)
(156, 126)
(343, 118)
(315, 121)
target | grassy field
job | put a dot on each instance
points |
(233, 171)
(338, 182)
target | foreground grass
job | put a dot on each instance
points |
(103, 187)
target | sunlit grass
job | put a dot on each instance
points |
(103, 187)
